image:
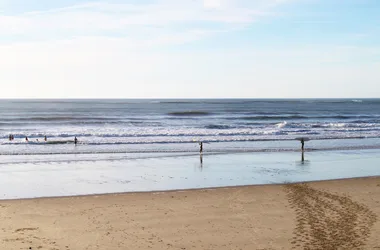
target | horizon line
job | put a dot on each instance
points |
(182, 98)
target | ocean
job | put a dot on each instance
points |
(121, 126)
(152, 144)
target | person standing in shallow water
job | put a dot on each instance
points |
(201, 147)
(75, 140)
(302, 144)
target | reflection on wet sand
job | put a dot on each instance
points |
(201, 162)
(75, 174)
(303, 161)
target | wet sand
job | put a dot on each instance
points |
(340, 214)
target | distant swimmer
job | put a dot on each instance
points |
(26, 138)
(45, 138)
(75, 140)
(302, 144)
(201, 147)
(10, 137)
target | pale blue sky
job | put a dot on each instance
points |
(189, 48)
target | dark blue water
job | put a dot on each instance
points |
(172, 125)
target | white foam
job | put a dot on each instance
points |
(282, 124)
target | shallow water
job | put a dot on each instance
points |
(45, 175)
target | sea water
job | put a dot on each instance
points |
(142, 145)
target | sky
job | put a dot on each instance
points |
(190, 49)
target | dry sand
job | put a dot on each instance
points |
(341, 214)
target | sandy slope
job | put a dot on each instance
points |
(340, 214)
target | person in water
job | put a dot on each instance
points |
(201, 147)
(75, 140)
(26, 138)
(10, 137)
(302, 144)
(45, 138)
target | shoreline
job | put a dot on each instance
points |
(189, 189)
(190, 152)
(73, 176)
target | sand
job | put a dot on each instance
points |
(341, 214)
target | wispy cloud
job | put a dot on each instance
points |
(188, 19)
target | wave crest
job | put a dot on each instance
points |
(189, 113)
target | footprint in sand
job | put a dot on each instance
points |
(328, 221)
(26, 229)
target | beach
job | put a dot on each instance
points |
(136, 180)
(189, 125)
(316, 215)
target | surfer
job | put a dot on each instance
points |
(26, 139)
(200, 147)
(75, 140)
